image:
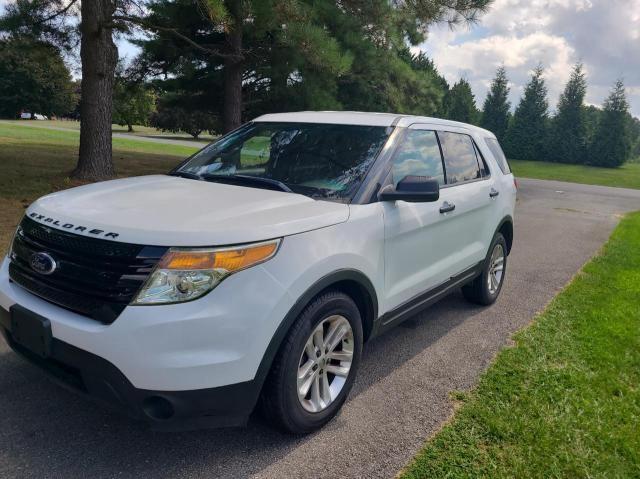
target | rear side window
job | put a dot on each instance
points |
(484, 168)
(419, 155)
(460, 161)
(498, 154)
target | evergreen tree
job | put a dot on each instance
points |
(461, 104)
(592, 119)
(495, 113)
(568, 132)
(611, 145)
(634, 126)
(425, 68)
(526, 136)
(297, 54)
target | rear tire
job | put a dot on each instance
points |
(316, 365)
(486, 288)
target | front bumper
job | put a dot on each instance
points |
(96, 377)
(198, 360)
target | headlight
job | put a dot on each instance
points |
(187, 274)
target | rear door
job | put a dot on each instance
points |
(470, 188)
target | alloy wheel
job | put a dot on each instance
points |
(325, 363)
(496, 269)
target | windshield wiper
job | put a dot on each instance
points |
(184, 174)
(246, 179)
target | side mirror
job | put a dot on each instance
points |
(414, 189)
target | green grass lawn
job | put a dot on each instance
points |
(35, 161)
(565, 401)
(627, 176)
(139, 130)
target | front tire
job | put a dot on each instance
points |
(486, 288)
(314, 370)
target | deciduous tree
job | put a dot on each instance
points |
(96, 21)
(33, 78)
(133, 99)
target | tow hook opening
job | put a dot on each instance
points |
(157, 408)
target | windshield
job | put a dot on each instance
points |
(318, 160)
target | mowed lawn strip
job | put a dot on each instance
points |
(565, 400)
(139, 130)
(35, 161)
(33, 134)
(627, 176)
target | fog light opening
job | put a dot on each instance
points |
(157, 407)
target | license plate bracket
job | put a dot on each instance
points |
(31, 331)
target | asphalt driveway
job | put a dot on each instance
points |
(400, 398)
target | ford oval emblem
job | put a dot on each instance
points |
(43, 263)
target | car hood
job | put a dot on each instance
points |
(166, 210)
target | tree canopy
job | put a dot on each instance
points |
(568, 129)
(461, 104)
(495, 114)
(33, 78)
(527, 134)
(612, 141)
(299, 54)
(133, 102)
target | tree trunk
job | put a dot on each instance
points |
(233, 70)
(99, 55)
(130, 128)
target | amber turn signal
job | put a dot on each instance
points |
(231, 259)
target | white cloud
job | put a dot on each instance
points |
(603, 34)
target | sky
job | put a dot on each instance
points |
(520, 34)
(603, 34)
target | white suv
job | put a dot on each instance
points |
(258, 267)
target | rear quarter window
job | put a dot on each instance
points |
(498, 154)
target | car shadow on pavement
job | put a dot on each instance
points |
(48, 431)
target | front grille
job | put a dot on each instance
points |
(94, 277)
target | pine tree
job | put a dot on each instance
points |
(495, 113)
(568, 133)
(526, 136)
(611, 145)
(434, 88)
(461, 104)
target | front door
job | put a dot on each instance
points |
(427, 244)
(417, 235)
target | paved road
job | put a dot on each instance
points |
(127, 136)
(401, 396)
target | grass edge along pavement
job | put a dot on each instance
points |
(565, 400)
(626, 176)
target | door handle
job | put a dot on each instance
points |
(447, 207)
(493, 193)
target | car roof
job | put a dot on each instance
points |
(365, 118)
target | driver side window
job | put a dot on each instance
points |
(418, 155)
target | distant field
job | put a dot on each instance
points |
(15, 135)
(627, 176)
(138, 129)
(36, 161)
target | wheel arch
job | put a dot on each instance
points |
(352, 282)
(506, 228)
